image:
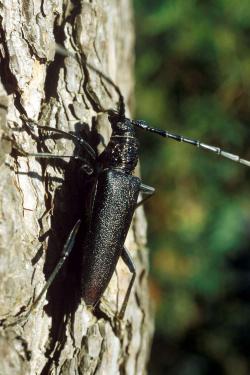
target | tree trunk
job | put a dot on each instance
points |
(41, 199)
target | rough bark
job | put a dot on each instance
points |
(40, 200)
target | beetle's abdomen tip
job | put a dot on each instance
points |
(91, 297)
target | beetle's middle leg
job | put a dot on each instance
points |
(145, 189)
(129, 263)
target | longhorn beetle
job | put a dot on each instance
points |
(115, 197)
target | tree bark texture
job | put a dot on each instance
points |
(41, 199)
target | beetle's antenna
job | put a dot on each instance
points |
(121, 104)
(179, 138)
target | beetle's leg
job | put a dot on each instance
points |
(65, 253)
(129, 263)
(46, 155)
(71, 136)
(145, 189)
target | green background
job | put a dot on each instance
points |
(193, 78)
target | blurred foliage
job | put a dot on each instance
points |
(193, 78)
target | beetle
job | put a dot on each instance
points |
(115, 198)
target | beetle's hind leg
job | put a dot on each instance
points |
(65, 254)
(129, 263)
(145, 189)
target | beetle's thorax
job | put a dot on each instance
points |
(121, 152)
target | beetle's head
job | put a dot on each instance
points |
(120, 124)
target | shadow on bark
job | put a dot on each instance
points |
(71, 202)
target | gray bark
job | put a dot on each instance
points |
(39, 203)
